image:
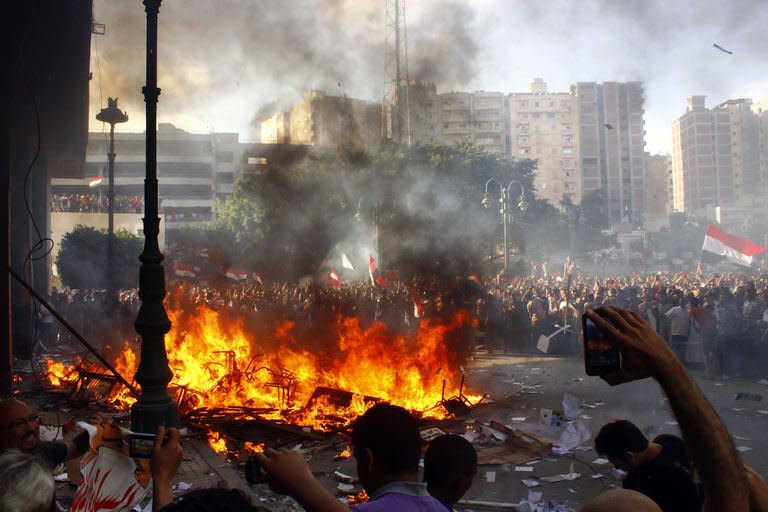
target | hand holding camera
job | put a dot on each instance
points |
(643, 353)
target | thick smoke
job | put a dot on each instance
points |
(211, 53)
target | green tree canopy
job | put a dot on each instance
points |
(82, 258)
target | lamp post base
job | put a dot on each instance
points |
(147, 415)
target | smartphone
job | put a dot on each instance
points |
(141, 445)
(601, 354)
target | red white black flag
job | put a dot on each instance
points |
(376, 277)
(734, 249)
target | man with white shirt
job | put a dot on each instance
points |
(679, 319)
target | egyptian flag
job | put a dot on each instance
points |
(236, 274)
(376, 277)
(95, 181)
(185, 271)
(418, 305)
(734, 249)
(333, 279)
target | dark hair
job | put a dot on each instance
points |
(392, 435)
(449, 457)
(213, 500)
(618, 437)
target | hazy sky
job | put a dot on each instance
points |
(223, 63)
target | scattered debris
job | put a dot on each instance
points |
(743, 448)
(754, 397)
(490, 476)
(524, 469)
(600, 460)
(530, 482)
(430, 434)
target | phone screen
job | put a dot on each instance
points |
(141, 445)
(601, 355)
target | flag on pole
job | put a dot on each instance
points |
(345, 262)
(734, 249)
(333, 279)
(373, 271)
(185, 271)
(95, 181)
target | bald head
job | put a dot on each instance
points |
(620, 500)
(19, 426)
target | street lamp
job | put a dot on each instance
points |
(154, 405)
(113, 116)
(505, 194)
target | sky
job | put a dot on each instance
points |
(223, 64)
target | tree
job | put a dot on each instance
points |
(81, 261)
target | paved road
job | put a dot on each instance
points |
(520, 386)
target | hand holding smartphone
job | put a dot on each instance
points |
(601, 353)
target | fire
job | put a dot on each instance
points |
(250, 447)
(217, 443)
(60, 374)
(219, 364)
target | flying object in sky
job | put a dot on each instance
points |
(729, 52)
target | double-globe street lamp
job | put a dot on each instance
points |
(505, 193)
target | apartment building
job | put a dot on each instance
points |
(702, 163)
(325, 121)
(612, 145)
(543, 126)
(476, 117)
(658, 174)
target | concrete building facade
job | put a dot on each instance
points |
(544, 126)
(477, 117)
(702, 161)
(325, 121)
(612, 145)
(193, 170)
(658, 173)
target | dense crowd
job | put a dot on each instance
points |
(96, 203)
(718, 321)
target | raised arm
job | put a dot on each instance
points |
(645, 354)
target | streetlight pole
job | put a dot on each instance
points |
(505, 210)
(113, 116)
(154, 405)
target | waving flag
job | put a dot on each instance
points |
(185, 271)
(345, 262)
(236, 274)
(333, 279)
(376, 277)
(734, 249)
(95, 181)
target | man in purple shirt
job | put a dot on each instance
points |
(387, 448)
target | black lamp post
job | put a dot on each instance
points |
(505, 210)
(113, 116)
(154, 406)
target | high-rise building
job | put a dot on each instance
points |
(325, 121)
(657, 205)
(761, 112)
(421, 113)
(717, 154)
(612, 145)
(477, 117)
(544, 126)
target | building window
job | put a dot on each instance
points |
(567, 151)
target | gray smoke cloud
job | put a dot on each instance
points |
(261, 56)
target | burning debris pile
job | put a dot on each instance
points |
(221, 370)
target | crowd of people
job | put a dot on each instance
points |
(717, 321)
(96, 203)
(700, 471)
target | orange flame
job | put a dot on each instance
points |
(215, 359)
(217, 443)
